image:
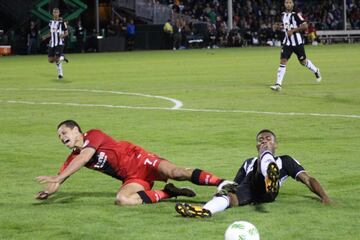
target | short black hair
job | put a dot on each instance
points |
(70, 124)
(266, 130)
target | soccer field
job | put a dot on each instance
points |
(197, 108)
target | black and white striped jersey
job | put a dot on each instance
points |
(292, 20)
(57, 27)
(288, 166)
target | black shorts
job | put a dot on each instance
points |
(252, 190)
(299, 50)
(56, 51)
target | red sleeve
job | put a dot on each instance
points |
(94, 139)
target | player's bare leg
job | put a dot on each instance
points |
(197, 176)
(128, 194)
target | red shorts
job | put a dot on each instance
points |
(144, 169)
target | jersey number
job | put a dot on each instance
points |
(148, 162)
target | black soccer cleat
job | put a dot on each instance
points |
(188, 210)
(272, 178)
(318, 76)
(60, 77)
(276, 87)
(66, 60)
(174, 191)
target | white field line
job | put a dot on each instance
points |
(177, 104)
(186, 109)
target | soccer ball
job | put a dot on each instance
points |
(241, 230)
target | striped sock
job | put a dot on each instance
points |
(59, 68)
(280, 74)
(217, 204)
(152, 196)
(200, 177)
(311, 66)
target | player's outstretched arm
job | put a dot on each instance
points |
(314, 186)
(78, 162)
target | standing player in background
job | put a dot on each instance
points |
(58, 31)
(127, 162)
(293, 25)
(257, 181)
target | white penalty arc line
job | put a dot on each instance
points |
(177, 104)
(187, 109)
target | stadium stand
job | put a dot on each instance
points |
(201, 23)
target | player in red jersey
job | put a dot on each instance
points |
(135, 167)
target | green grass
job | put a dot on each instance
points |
(222, 79)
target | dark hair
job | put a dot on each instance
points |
(69, 123)
(267, 131)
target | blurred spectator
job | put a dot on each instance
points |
(91, 43)
(354, 15)
(311, 34)
(79, 33)
(211, 36)
(130, 35)
(178, 28)
(234, 38)
(168, 33)
(32, 38)
(114, 28)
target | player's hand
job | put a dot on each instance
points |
(42, 195)
(290, 32)
(48, 179)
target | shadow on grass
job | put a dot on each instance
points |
(69, 197)
(185, 200)
(260, 208)
(61, 81)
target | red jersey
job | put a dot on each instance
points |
(119, 159)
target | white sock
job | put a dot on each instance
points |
(280, 74)
(217, 204)
(311, 66)
(266, 158)
(59, 68)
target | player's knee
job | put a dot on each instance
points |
(303, 62)
(122, 200)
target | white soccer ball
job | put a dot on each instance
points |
(242, 230)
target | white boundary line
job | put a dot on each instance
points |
(178, 104)
(186, 109)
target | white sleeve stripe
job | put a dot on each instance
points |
(301, 18)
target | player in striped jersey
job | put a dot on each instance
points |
(58, 31)
(293, 25)
(257, 181)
